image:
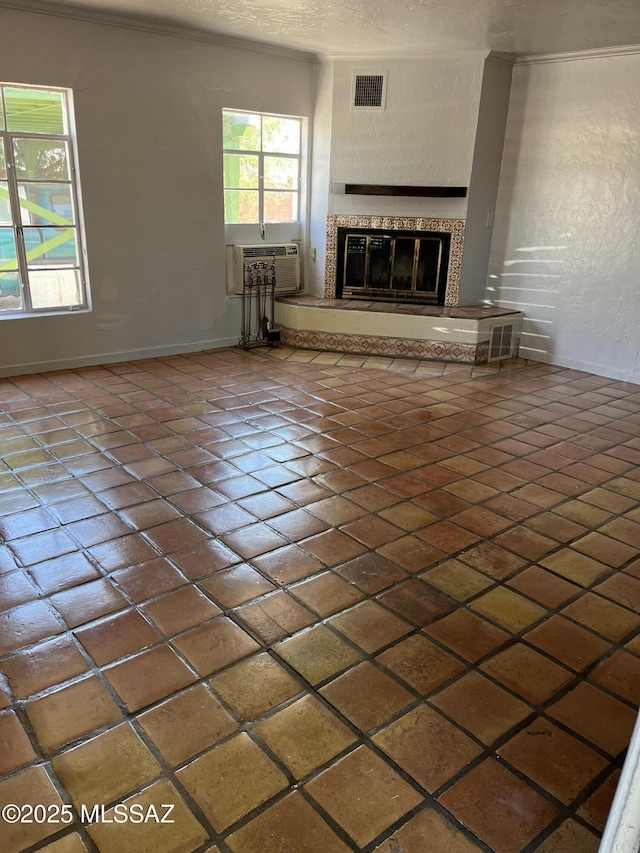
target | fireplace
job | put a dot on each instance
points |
(394, 259)
(394, 329)
(392, 266)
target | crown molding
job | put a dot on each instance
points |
(575, 55)
(139, 24)
(506, 58)
(407, 55)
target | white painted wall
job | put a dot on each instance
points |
(485, 176)
(424, 136)
(148, 111)
(566, 248)
(320, 177)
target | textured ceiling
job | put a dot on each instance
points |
(392, 27)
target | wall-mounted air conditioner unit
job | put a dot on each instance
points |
(287, 264)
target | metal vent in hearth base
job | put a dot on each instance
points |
(368, 91)
(501, 342)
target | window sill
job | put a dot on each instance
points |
(62, 312)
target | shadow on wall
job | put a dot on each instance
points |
(529, 283)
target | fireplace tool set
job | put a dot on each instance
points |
(258, 305)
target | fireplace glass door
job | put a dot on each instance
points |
(393, 267)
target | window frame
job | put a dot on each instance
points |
(68, 138)
(261, 154)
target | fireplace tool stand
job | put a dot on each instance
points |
(258, 305)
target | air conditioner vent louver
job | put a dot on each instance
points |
(368, 91)
(287, 264)
(501, 342)
(265, 251)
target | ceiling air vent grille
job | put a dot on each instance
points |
(369, 91)
(501, 342)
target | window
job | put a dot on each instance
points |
(261, 167)
(41, 256)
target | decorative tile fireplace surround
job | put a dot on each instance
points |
(448, 332)
(396, 223)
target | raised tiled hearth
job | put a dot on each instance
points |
(391, 329)
(318, 603)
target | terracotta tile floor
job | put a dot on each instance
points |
(317, 603)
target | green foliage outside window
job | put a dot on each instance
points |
(260, 187)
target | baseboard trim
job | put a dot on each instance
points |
(623, 375)
(114, 357)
